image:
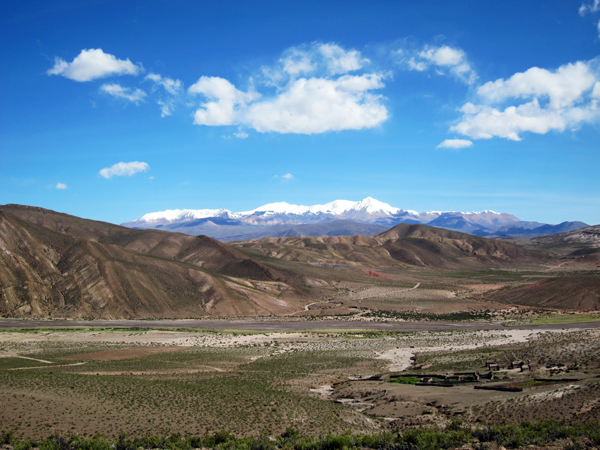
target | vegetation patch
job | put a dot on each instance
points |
(414, 316)
(455, 435)
(405, 380)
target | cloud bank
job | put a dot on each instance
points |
(323, 87)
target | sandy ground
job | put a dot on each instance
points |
(400, 357)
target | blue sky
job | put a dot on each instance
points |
(111, 109)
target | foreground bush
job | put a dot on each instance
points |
(455, 435)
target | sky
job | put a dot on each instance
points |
(110, 110)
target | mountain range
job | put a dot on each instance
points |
(340, 217)
(56, 265)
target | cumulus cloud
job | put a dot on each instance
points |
(314, 94)
(564, 98)
(589, 7)
(241, 135)
(124, 169)
(445, 60)
(92, 64)
(562, 87)
(317, 105)
(118, 91)
(226, 101)
(455, 143)
(61, 186)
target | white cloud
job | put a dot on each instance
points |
(596, 91)
(317, 105)
(172, 88)
(443, 59)
(339, 60)
(61, 186)
(286, 177)
(319, 59)
(310, 89)
(91, 64)
(118, 91)
(166, 107)
(559, 100)
(563, 87)
(297, 62)
(321, 103)
(455, 143)
(227, 101)
(485, 122)
(598, 26)
(589, 7)
(124, 169)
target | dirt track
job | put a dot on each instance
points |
(257, 325)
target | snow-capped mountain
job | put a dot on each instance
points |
(275, 217)
(179, 215)
(367, 210)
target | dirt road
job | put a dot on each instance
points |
(280, 325)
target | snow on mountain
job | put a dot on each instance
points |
(337, 207)
(179, 215)
(368, 210)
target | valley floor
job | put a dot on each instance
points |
(101, 379)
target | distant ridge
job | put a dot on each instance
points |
(403, 245)
(343, 217)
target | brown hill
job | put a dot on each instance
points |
(583, 237)
(577, 292)
(60, 265)
(579, 249)
(404, 245)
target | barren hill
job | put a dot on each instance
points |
(53, 264)
(584, 237)
(404, 244)
(574, 292)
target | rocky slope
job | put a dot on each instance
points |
(52, 264)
